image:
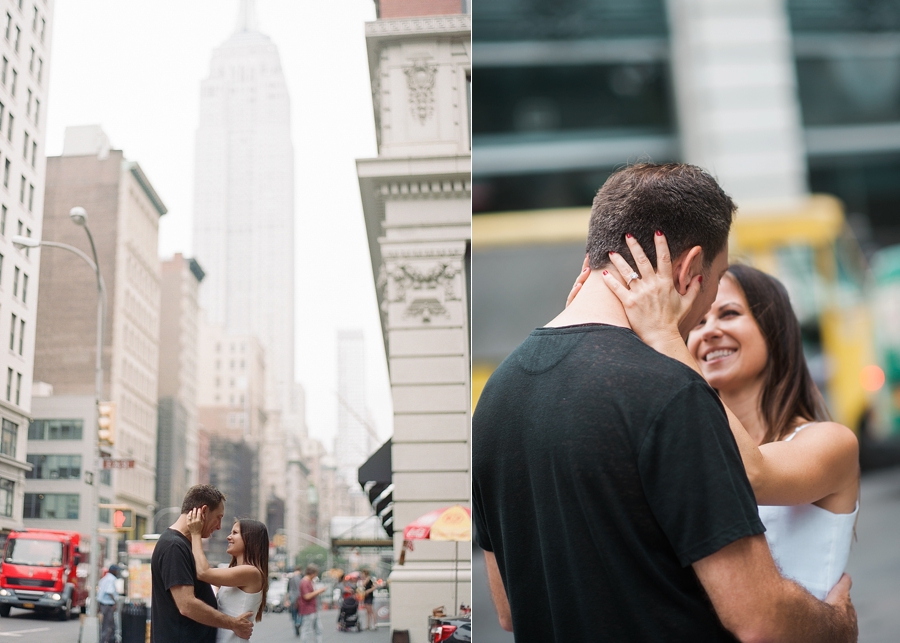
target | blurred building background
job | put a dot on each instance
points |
(794, 105)
(782, 101)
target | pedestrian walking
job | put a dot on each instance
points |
(368, 601)
(293, 589)
(310, 625)
(108, 600)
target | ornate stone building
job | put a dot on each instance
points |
(416, 196)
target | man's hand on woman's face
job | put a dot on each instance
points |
(195, 520)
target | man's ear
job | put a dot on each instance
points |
(204, 511)
(686, 267)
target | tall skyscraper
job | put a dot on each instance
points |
(244, 199)
(23, 122)
(353, 442)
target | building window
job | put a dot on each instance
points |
(8, 24)
(104, 513)
(9, 374)
(18, 38)
(3, 69)
(54, 467)
(61, 506)
(3, 212)
(33, 151)
(106, 477)
(16, 279)
(39, 74)
(25, 288)
(6, 166)
(55, 429)
(7, 492)
(9, 130)
(37, 111)
(25, 146)
(21, 336)
(12, 85)
(8, 435)
(12, 332)
(31, 61)
(18, 387)
(43, 28)
(34, 20)
(1, 267)
(30, 198)
(22, 190)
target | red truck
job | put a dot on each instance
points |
(39, 572)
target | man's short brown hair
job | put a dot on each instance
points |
(682, 201)
(200, 495)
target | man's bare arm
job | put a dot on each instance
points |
(498, 592)
(193, 608)
(756, 604)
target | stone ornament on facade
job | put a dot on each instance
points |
(423, 291)
(420, 81)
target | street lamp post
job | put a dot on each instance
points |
(90, 626)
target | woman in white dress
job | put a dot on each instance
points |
(243, 585)
(804, 468)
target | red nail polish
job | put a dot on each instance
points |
(700, 279)
(612, 252)
(605, 272)
(659, 233)
(627, 235)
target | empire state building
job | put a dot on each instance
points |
(244, 199)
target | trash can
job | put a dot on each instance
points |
(134, 623)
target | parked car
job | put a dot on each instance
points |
(276, 595)
(450, 629)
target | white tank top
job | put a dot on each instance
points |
(810, 545)
(234, 602)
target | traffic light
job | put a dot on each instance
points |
(123, 518)
(106, 423)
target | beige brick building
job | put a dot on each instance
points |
(123, 214)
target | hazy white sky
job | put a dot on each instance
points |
(134, 67)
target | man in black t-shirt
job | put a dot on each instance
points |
(598, 462)
(184, 609)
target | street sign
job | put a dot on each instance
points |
(110, 463)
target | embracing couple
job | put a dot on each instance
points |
(656, 463)
(185, 609)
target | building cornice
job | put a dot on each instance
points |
(142, 180)
(420, 26)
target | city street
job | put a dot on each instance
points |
(874, 566)
(274, 628)
(25, 625)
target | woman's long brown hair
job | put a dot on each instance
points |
(788, 389)
(256, 553)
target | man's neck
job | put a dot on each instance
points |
(181, 525)
(595, 304)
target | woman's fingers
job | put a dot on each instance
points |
(663, 257)
(692, 291)
(622, 267)
(615, 286)
(585, 273)
(640, 259)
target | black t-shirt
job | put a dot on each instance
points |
(601, 471)
(370, 597)
(173, 564)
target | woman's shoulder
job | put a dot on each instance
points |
(837, 435)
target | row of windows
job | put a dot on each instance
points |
(19, 275)
(29, 145)
(61, 506)
(55, 430)
(54, 467)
